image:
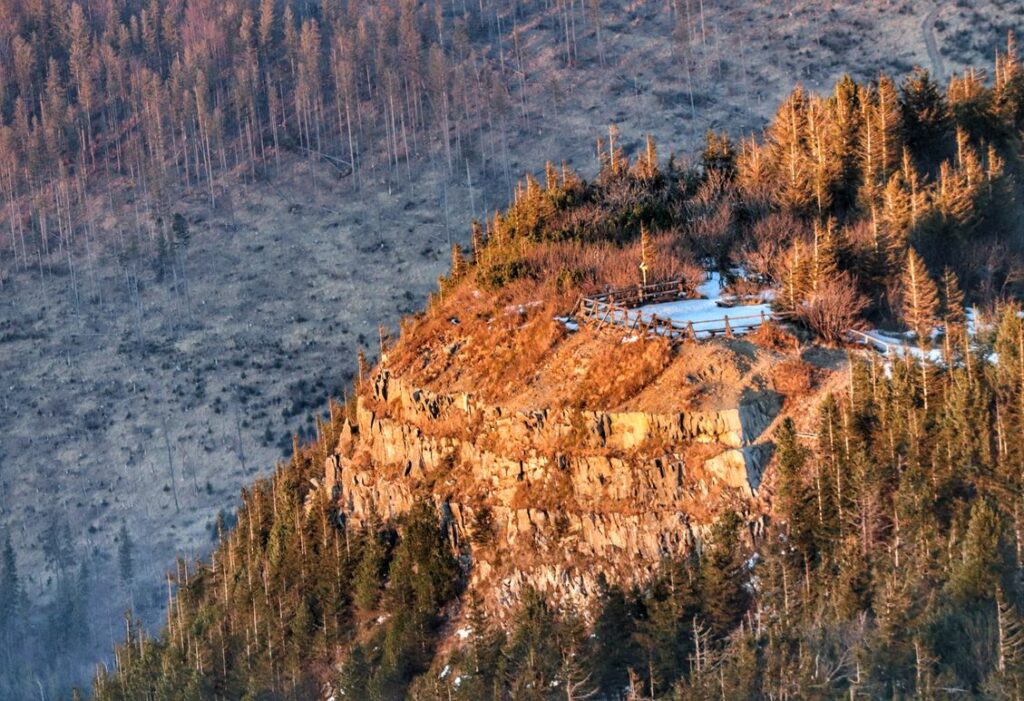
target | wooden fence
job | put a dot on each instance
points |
(612, 310)
(886, 348)
(636, 295)
(618, 307)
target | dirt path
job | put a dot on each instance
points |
(928, 29)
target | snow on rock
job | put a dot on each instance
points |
(897, 346)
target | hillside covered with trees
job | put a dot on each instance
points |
(207, 208)
(890, 565)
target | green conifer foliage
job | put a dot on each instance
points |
(920, 298)
(983, 560)
(723, 575)
(925, 114)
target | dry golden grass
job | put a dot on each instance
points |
(771, 336)
(596, 266)
(794, 377)
(619, 370)
(500, 343)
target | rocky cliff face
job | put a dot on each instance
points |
(563, 500)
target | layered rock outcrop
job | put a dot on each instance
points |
(564, 500)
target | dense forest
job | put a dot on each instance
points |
(892, 565)
(99, 99)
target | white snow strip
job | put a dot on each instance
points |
(897, 345)
(569, 323)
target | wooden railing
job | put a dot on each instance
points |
(618, 307)
(897, 349)
(636, 295)
(604, 313)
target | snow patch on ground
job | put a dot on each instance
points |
(569, 323)
(702, 312)
(896, 345)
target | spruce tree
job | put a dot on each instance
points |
(532, 650)
(616, 649)
(787, 137)
(723, 592)
(846, 118)
(920, 298)
(795, 500)
(954, 317)
(719, 154)
(983, 561)
(458, 267)
(925, 116)
(366, 586)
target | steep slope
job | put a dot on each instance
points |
(562, 500)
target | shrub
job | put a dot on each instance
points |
(569, 279)
(772, 337)
(832, 309)
(501, 273)
(793, 377)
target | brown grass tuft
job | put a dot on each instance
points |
(772, 336)
(794, 377)
(621, 370)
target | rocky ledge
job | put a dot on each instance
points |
(564, 500)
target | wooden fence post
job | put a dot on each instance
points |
(728, 329)
(690, 331)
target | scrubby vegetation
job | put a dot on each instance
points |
(852, 206)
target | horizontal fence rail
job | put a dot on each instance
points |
(896, 349)
(636, 295)
(617, 308)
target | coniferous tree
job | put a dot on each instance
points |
(925, 115)
(846, 117)
(532, 653)
(983, 559)
(920, 298)
(882, 139)
(719, 154)
(796, 504)
(723, 592)
(787, 137)
(954, 317)
(616, 650)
